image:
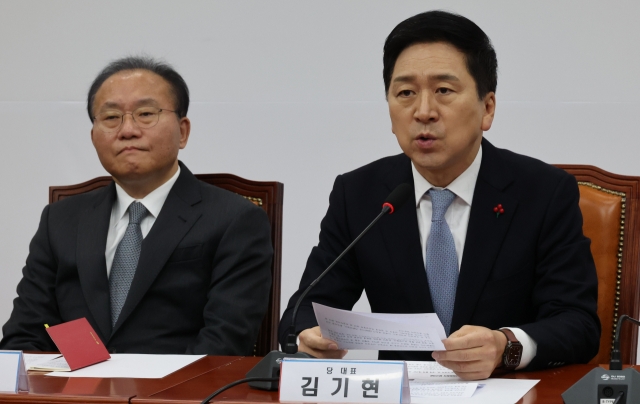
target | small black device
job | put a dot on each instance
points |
(602, 386)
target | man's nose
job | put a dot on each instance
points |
(129, 128)
(426, 108)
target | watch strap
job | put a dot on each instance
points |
(511, 337)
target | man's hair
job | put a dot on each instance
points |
(176, 82)
(441, 26)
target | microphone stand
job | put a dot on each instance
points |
(291, 346)
(608, 386)
(269, 366)
(615, 363)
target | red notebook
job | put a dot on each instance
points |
(78, 343)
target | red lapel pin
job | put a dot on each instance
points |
(498, 210)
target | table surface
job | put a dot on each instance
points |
(48, 389)
(193, 383)
(553, 382)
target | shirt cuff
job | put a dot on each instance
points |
(529, 347)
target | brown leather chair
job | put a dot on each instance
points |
(609, 205)
(267, 195)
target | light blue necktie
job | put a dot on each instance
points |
(125, 261)
(442, 259)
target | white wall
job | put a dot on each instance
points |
(292, 91)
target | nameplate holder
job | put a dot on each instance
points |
(343, 381)
(13, 373)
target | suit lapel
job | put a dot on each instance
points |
(92, 268)
(485, 233)
(176, 218)
(402, 241)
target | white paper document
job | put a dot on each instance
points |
(490, 391)
(35, 359)
(430, 371)
(494, 391)
(388, 332)
(442, 389)
(135, 366)
(55, 364)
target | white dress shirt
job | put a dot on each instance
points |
(457, 217)
(120, 215)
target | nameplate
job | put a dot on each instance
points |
(343, 381)
(13, 374)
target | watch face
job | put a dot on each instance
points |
(513, 360)
(513, 354)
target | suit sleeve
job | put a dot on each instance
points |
(239, 289)
(342, 286)
(36, 302)
(567, 328)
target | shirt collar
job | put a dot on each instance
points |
(153, 202)
(463, 186)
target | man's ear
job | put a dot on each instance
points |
(489, 103)
(185, 130)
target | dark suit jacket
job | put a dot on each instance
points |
(531, 267)
(201, 286)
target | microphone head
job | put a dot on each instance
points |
(398, 197)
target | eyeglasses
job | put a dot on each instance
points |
(144, 117)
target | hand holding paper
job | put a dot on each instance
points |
(472, 352)
(389, 332)
(313, 343)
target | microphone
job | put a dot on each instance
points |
(614, 385)
(396, 198)
(269, 366)
(615, 363)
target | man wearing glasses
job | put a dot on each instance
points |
(158, 262)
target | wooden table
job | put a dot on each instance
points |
(196, 381)
(47, 389)
(196, 389)
(552, 383)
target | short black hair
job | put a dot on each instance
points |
(442, 26)
(162, 69)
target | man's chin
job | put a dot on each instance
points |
(428, 162)
(129, 174)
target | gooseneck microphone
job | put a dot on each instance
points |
(269, 366)
(614, 386)
(395, 199)
(615, 363)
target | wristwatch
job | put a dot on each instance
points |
(512, 352)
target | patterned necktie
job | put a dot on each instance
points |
(442, 260)
(125, 261)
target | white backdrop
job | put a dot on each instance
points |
(292, 91)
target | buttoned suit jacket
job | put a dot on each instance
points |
(530, 267)
(201, 285)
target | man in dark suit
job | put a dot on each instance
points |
(492, 241)
(158, 261)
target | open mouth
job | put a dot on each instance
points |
(425, 141)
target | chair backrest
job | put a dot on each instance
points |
(267, 195)
(609, 205)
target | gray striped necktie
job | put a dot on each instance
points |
(125, 261)
(442, 260)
